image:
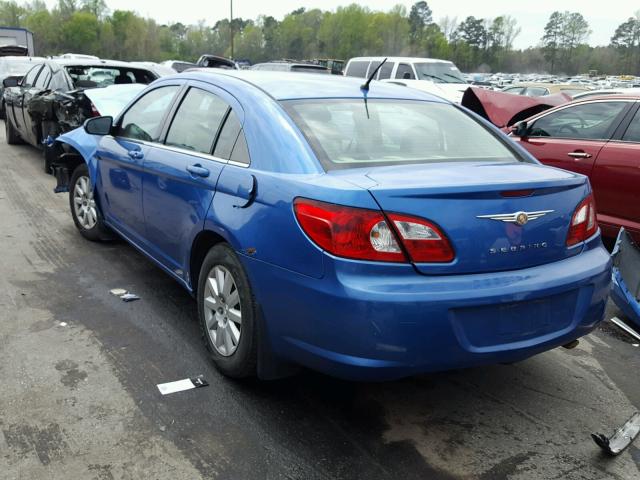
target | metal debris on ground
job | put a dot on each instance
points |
(622, 437)
(124, 295)
(182, 385)
(626, 328)
(129, 297)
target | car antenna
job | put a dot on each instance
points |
(365, 85)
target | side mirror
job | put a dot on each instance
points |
(98, 125)
(12, 81)
(521, 129)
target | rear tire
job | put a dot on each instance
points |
(13, 137)
(3, 110)
(227, 312)
(84, 208)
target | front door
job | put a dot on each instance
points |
(121, 159)
(572, 137)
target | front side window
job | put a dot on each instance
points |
(43, 79)
(357, 69)
(588, 121)
(30, 77)
(197, 121)
(143, 121)
(348, 133)
(439, 72)
(404, 71)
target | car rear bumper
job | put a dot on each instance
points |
(382, 321)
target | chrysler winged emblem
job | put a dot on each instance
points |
(519, 218)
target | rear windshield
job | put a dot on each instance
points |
(103, 76)
(348, 133)
(309, 69)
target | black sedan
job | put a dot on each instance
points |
(48, 99)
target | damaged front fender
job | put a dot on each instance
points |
(72, 148)
(625, 291)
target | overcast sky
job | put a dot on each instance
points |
(603, 16)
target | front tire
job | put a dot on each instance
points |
(227, 313)
(84, 209)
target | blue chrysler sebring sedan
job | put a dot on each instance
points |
(366, 233)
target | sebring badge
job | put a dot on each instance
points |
(519, 218)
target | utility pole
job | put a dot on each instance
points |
(231, 28)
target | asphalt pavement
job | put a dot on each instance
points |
(79, 369)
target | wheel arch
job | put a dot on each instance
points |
(204, 241)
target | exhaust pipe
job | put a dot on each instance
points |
(571, 345)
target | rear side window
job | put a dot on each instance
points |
(405, 72)
(357, 69)
(385, 71)
(228, 137)
(240, 152)
(588, 121)
(348, 134)
(197, 121)
(536, 92)
(633, 132)
(143, 121)
(30, 77)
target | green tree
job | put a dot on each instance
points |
(552, 40)
(80, 33)
(626, 40)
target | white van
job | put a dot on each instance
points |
(439, 77)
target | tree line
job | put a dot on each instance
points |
(474, 44)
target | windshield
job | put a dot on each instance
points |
(102, 76)
(441, 72)
(348, 133)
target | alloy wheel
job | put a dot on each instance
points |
(84, 203)
(222, 310)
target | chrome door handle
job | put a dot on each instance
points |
(579, 154)
(136, 154)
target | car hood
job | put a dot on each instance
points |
(504, 109)
(111, 100)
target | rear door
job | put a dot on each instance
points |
(17, 99)
(616, 181)
(572, 137)
(180, 176)
(121, 157)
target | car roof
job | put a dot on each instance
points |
(88, 62)
(293, 85)
(400, 59)
(551, 86)
(615, 96)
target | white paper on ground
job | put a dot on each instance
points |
(177, 386)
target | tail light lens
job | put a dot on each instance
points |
(94, 110)
(368, 235)
(583, 223)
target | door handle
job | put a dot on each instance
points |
(136, 154)
(578, 154)
(198, 170)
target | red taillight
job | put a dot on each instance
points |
(366, 235)
(424, 241)
(583, 222)
(94, 110)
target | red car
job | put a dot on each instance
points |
(598, 137)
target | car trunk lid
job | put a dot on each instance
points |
(477, 206)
